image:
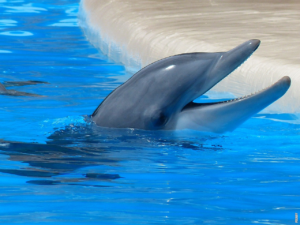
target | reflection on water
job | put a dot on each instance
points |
(111, 171)
(57, 167)
(16, 33)
(75, 147)
(23, 83)
(49, 161)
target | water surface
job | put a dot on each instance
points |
(58, 168)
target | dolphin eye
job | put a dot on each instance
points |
(159, 120)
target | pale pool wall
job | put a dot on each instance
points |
(139, 32)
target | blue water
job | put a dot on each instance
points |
(58, 168)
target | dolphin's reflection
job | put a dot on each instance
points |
(76, 147)
(93, 137)
(49, 161)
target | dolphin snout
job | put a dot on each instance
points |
(253, 44)
(281, 86)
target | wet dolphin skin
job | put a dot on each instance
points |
(160, 96)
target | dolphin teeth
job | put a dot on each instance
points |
(244, 97)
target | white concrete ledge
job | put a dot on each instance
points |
(138, 32)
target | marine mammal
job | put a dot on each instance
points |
(23, 83)
(160, 96)
(4, 91)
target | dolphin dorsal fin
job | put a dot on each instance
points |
(2, 88)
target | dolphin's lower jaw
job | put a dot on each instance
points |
(225, 116)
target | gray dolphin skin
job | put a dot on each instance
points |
(11, 92)
(2, 88)
(160, 96)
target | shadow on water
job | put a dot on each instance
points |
(76, 147)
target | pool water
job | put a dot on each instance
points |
(56, 167)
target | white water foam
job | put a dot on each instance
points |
(139, 32)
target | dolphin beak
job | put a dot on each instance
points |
(226, 116)
(229, 61)
(238, 55)
(232, 59)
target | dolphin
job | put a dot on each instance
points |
(23, 83)
(160, 96)
(4, 91)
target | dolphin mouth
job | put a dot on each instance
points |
(223, 116)
(281, 85)
(278, 89)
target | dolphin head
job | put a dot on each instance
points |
(160, 96)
